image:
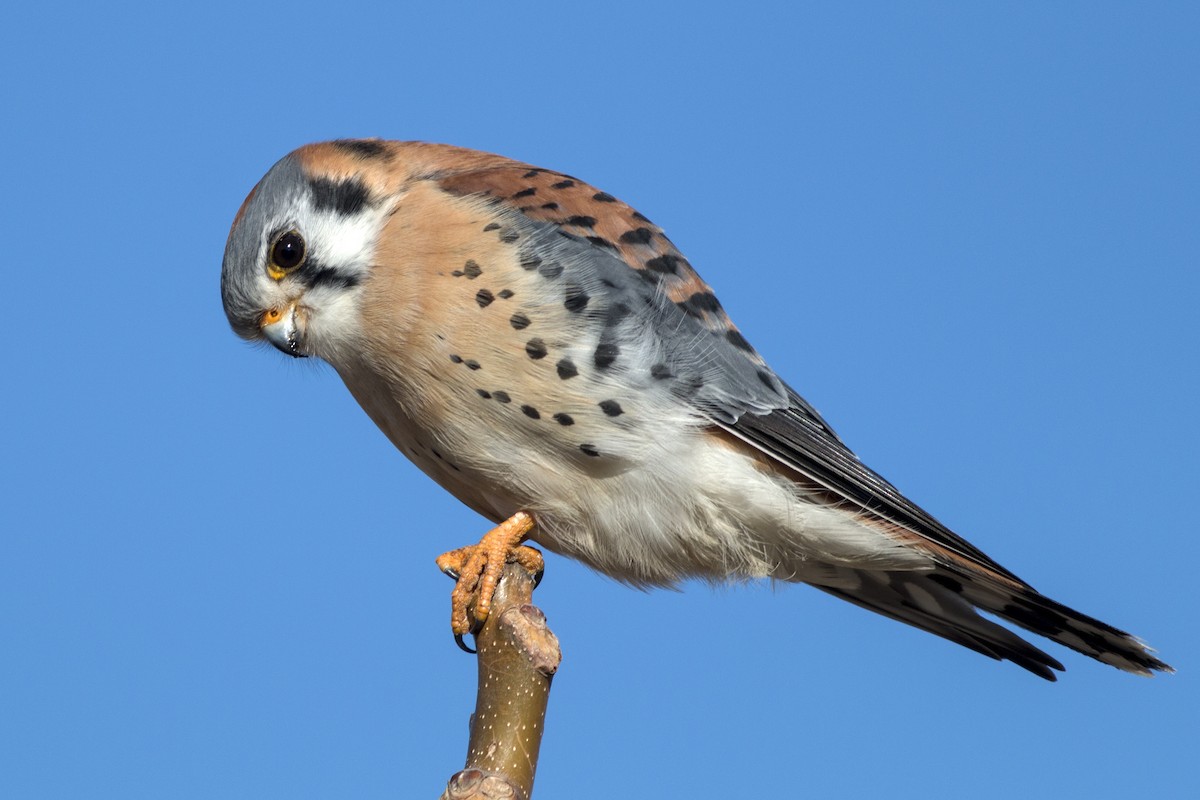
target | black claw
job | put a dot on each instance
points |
(462, 645)
(451, 572)
(537, 578)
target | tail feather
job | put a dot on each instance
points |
(943, 602)
(1041, 615)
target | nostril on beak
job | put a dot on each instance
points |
(279, 328)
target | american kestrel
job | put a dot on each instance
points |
(547, 355)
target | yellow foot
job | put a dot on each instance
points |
(477, 570)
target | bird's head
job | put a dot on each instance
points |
(301, 248)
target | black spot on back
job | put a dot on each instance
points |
(567, 184)
(533, 173)
(604, 197)
(362, 148)
(530, 192)
(660, 372)
(530, 412)
(590, 450)
(344, 197)
(484, 393)
(501, 397)
(530, 263)
(600, 241)
(736, 339)
(471, 363)
(702, 302)
(455, 358)
(566, 369)
(641, 217)
(491, 226)
(550, 206)
(509, 236)
(638, 236)
(550, 270)
(611, 408)
(563, 419)
(504, 294)
(581, 221)
(484, 298)
(577, 299)
(535, 349)
(519, 321)
(471, 270)
(667, 264)
(606, 353)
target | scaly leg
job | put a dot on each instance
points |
(477, 569)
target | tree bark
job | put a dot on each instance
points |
(518, 656)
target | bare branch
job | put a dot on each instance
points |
(518, 656)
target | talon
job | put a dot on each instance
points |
(476, 571)
(462, 645)
(537, 577)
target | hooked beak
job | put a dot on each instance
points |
(282, 329)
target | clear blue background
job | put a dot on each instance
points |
(969, 235)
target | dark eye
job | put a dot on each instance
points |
(288, 252)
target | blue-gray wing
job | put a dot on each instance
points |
(701, 356)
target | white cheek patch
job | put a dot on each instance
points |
(346, 243)
(333, 332)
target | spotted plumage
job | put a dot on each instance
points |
(543, 351)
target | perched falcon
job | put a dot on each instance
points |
(546, 354)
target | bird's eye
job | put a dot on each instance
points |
(287, 253)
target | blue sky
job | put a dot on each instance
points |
(968, 234)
